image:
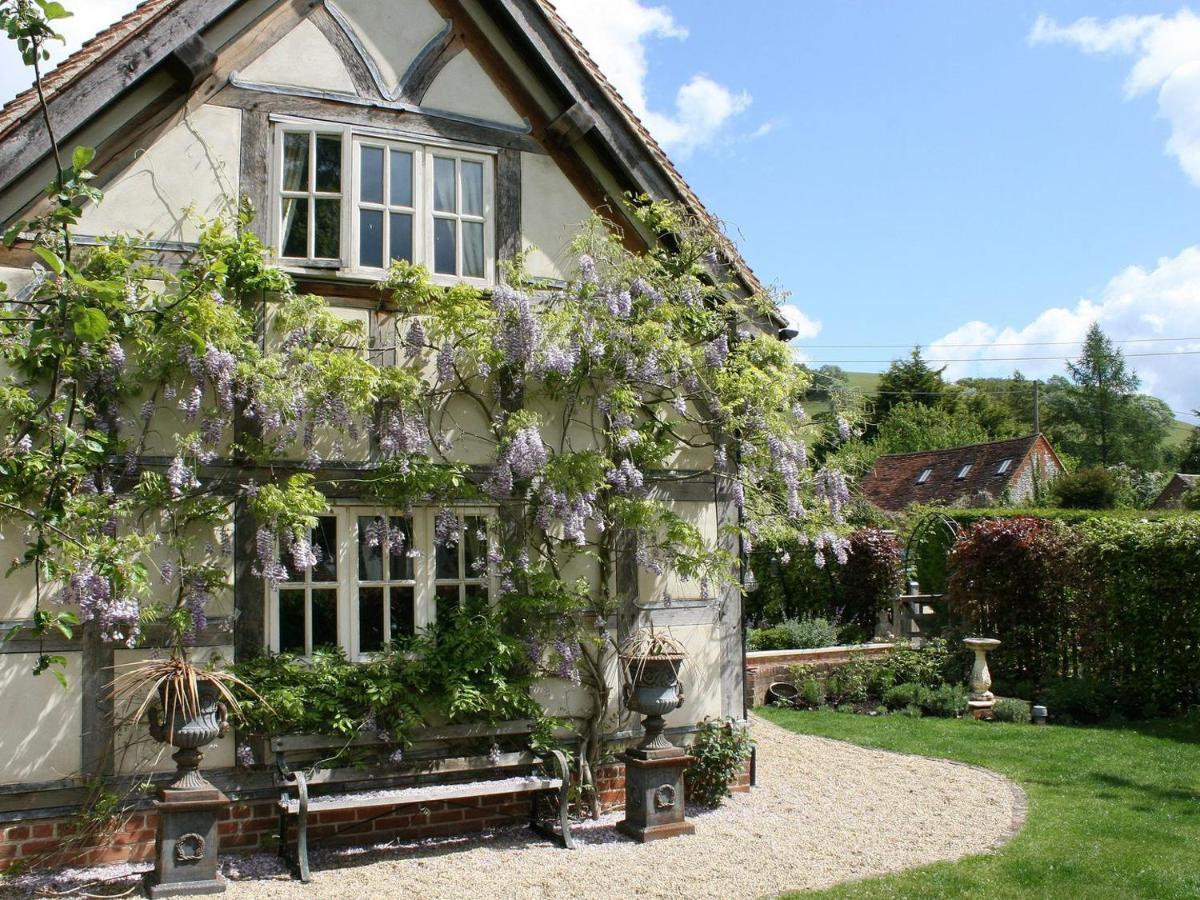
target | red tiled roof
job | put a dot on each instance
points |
(112, 38)
(74, 66)
(1179, 485)
(893, 482)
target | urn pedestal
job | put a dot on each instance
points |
(982, 700)
(654, 789)
(185, 848)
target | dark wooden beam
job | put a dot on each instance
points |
(192, 61)
(98, 732)
(574, 122)
(254, 170)
(508, 205)
(352, 58)
(354, 112)
(429, 64)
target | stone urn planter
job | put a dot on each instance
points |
(654, 789)
(189, 729)
(187, 708)
(982, 700)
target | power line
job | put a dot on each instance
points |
(979, 359)
(992, 344)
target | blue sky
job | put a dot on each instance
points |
(928, 172)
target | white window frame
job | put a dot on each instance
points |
(1005, 465)
(357, 203)
(925, 475)
(424, 582)
(424, 150)
(488, 218)
(964, 471)
(313, 130)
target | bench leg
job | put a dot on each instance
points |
(564, 816)
(302, 846)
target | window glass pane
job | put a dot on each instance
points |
(324, 618)
(472, 233)
(444, 252)
(448, 602)
(447, 562)
(371, 541)
(329, 229)
(472, 188)
(400, 237)
(295, 228)
(443, 185)
(370, 619)
(401, 564)
(295, 162)
(329, 163)
(324, 541)
(402, 177)
(475, 547)
(291, 621)
(371, 183)
(403, 623)
(477, 596)
(370, 238)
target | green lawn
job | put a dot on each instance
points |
(1113, 812)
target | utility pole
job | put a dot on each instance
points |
(1037, 408)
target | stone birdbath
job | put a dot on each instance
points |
(982, 699)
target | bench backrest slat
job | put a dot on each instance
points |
(298, 743)
(450, 766)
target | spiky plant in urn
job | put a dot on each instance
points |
(187, 707)
(654, 793)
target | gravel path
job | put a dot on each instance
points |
(824, 811)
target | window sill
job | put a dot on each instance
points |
(332, 269)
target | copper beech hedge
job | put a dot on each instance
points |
(1102, 614)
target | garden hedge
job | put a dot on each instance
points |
(1098, 616)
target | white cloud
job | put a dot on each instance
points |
(804, 327)
(1167, 58)
(1163, 302)
(616, 33)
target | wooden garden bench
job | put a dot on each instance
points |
(429, 776)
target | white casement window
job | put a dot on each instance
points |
(358, 201)
(386, 225)
(379, 578)
(310, 172)
(459, 192)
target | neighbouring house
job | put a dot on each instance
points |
(309, 108)
(975, 475)
(1172, 494)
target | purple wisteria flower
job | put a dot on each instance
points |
(626, 478)
(245, 756)
(415, 340)
(180, 477)
(447, 528)
(25, 444)
(519, 329)
(716, 352)
(843, 428)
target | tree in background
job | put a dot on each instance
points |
(909, 380)
(911, 427)
(1191, 450)
(1098, 416)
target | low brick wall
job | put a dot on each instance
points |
(254, 825)
(764, 667)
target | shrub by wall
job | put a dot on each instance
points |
(793, 586)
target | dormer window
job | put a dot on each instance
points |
(1005, 465)
(924, 476)
(964, 472)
